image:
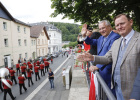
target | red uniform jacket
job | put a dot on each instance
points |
(41, 66)
(44, 59)
(23, 68)
(12, 73)
(38, 63)
(28, 63)
(17, 65)
(30, 66)
(34, 64)
(21, 79)
(46, 63)
(5, 86)
(25, 64)
(29, 73)
(36, 68)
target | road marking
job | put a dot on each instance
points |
(43, 83)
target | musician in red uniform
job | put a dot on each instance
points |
(51, 60)
(44, 59)
(38, 63)
(28, 63)
(29, 75)
(36, 69)
(25, 63)
(42, 69)
(30, 66)
(12, 74)
(46, 63)
(23, 70)
(18, 68)
(7, 89)
(21, 83)
(34, 64)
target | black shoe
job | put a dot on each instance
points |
(20, 93)
(14, 98)
(25, 90)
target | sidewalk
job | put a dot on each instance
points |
(79, 88)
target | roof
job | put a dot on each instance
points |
(9, 16)
(36, 31)
(20, 22)
(49, 27)
(6, 11)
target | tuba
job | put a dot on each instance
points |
(4, 72)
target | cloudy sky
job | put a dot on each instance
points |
(32, 10)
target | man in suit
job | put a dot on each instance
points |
(104, 44)
(125, 55)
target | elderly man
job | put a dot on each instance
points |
(125, 55)
(103, 44)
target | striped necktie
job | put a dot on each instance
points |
(123, 43)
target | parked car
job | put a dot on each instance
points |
(40, 58)
(48, 57)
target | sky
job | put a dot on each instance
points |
(31, 11)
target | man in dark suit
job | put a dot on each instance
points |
(104, 44)
(125, 55)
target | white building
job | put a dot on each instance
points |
(55, 35)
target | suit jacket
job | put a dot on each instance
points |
(104, 70)
(136, 87)
(129, 65)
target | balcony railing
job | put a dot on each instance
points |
(104, 93)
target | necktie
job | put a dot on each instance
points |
(123, 43)
(103, 41)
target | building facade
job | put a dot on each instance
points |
(40, 33)
(14, 39)
(55, 35)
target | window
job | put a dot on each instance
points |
(38, 41)
(19, 42)
(6, 42)
(54, 34)
(4, 25)
(26, 55)
(20, 56)
(49, 35)
(25, 42)
(43, 52)
(25, 30)
(18, 28)
(32, 42)
(49, 41)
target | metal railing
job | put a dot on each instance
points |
(104, 93)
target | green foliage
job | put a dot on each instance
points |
(69, 31)
(71, 44)
(92, 11)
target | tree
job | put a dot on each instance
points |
(92, 11)
(69, 31)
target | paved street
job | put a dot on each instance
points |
(59, 92)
